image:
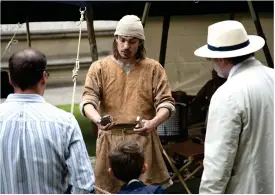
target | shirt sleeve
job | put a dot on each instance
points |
(161, 90)
(92, 87)
(221, 142)
(80, 172)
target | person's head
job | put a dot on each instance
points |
(227, 45)
(129, 39)
(223, 65)
(27, 71)
(127, 161)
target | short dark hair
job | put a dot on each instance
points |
(26, 68)
(126, 161)
(141, 52)
(239, 59)
(236, 60)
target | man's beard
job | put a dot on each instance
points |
(125, 56)
(218, 70)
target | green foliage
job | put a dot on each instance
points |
(86, 127)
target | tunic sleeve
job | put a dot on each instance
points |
(161, 90)
(93, 87)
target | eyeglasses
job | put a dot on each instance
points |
(44, 70)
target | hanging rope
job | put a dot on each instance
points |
(11, 42)
(75, 74)
(76, 68)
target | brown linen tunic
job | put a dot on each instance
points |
(124, 97)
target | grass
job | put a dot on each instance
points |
(85, 126)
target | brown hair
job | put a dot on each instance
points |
(26, 68)
(126, 161)
(140, 52)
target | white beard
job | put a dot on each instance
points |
(218, 70)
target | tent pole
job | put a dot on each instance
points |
(164, 38)
(145, 13)
(255, 18)
(93, 48)
(91, 33)
(28, 32)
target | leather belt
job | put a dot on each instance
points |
(123, 126)
(121, 129)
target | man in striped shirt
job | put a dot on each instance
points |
(41, 147)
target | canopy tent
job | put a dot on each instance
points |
(114, 10)
(13, 12)
(42, 11)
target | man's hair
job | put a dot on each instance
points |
(236, 60)
(126, 161)
(141, 52)
(26, 68)
(239, 59)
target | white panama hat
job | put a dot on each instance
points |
(229, 39)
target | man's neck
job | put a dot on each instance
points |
(28, 91)
(127, 62)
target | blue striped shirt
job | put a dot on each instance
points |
(41, 148)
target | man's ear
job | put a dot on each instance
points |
(44, 78)
(10, 81)
(144, 168)
(222, 61)
(111, 172)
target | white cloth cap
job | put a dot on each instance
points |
(130, 25)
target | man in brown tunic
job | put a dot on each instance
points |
(125, 85)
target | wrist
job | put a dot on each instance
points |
(155, 122)
(92, 113)
(97, 120)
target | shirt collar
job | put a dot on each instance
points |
(133, 180)
(134, 183)
(237, 66)
(25, 98)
